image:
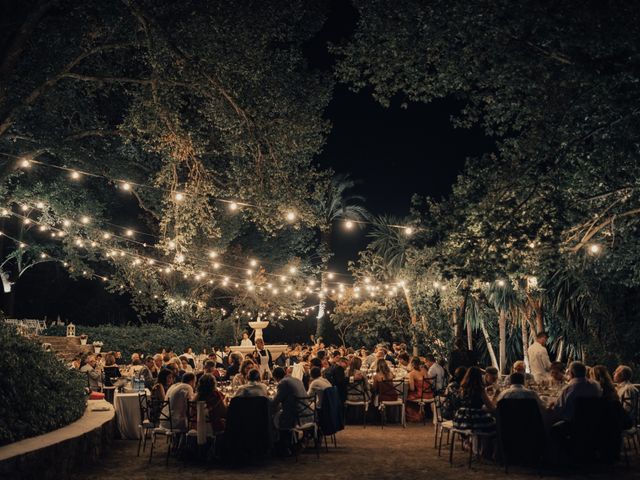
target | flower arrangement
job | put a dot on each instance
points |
(83, 339)
(97, 346)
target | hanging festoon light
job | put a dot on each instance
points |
(233, 206)
(291, 216)
(75, 175)
(500, 283)
(25, 163)
(349, 224)
(595, 249)
(408, 231)
(126, 186)
(179, 196)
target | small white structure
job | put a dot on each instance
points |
(258, 326)
(71, 330)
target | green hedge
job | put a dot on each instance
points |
(38, 393)
(145, 338)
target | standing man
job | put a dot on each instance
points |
(539, 357)
(436, 372)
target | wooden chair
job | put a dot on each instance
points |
(398, 386)
(358, 390)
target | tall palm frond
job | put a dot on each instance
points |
(389, 242)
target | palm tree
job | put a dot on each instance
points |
(334, 203)
(391, 243)
(504, 300)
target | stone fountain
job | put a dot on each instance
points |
(258, 326)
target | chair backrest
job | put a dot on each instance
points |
(521, 431)
(305, 409)
(332, 412)
(357, 389)
(143, 405)
(160, 411)
(437, 402)
(248, 429)
(192, 413)
(596, 430)
(397, 386)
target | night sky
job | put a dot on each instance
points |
(391, 152)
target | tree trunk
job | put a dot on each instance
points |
(469, 336)
(487, 340)
(502, 325)
(414, 320)
(325, 237)
(458, 332)
(525, 341)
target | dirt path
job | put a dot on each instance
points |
(361, 454)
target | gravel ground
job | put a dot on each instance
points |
(373, 452)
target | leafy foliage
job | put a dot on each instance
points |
(39, 394)
(153, 338)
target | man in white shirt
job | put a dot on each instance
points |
(178, 395)
(317, 385)
(254, 387)
(539, 357)
(435, 373)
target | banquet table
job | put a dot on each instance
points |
(127, 414)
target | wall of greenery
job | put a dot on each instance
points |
(39, 393)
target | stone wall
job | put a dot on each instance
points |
(57, 454)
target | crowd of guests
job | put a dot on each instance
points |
(469, 394)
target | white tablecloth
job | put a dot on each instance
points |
(128, 414)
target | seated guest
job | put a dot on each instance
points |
(475, 405)
(520, 367)
(209, 367)
(110, 369)
(208, 392)
(178, 395)
(451, 401)
(490, 379)
(234, 360)
(146, 374)
(402, 364)
(94, 375)
(285, 403)
(157, 361)
(517, 390)
(317, 385)
(253, 387)
(355, 370)
(601, 377)
(436, 373)
(628, 393)
(578, 387)
(119, 358)
(419, 389)
(557, 373)
(336, 374)
(185, 365)
(241, 377)
(136, 363)
(382, 384)
(164, 381)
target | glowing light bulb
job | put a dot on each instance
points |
(40, 205)
(291, 216)
(330, 275)
(179, 197)
(213, 254)
(253, 262)
(129, 232)
(233, 206)
(180, 258)
(5, 212)
(126, 186)
(349, 225)
(66, 223)
(595, 248)
(26, 221)
(500, 283)
(84, 220)
(216, 265)
(292, 270)
(25, 163)
(75, 175)
(42, 228)
(24, 208)
(106, 236)
(408, 231)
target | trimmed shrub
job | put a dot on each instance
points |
(38, 392)
(147, 338)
